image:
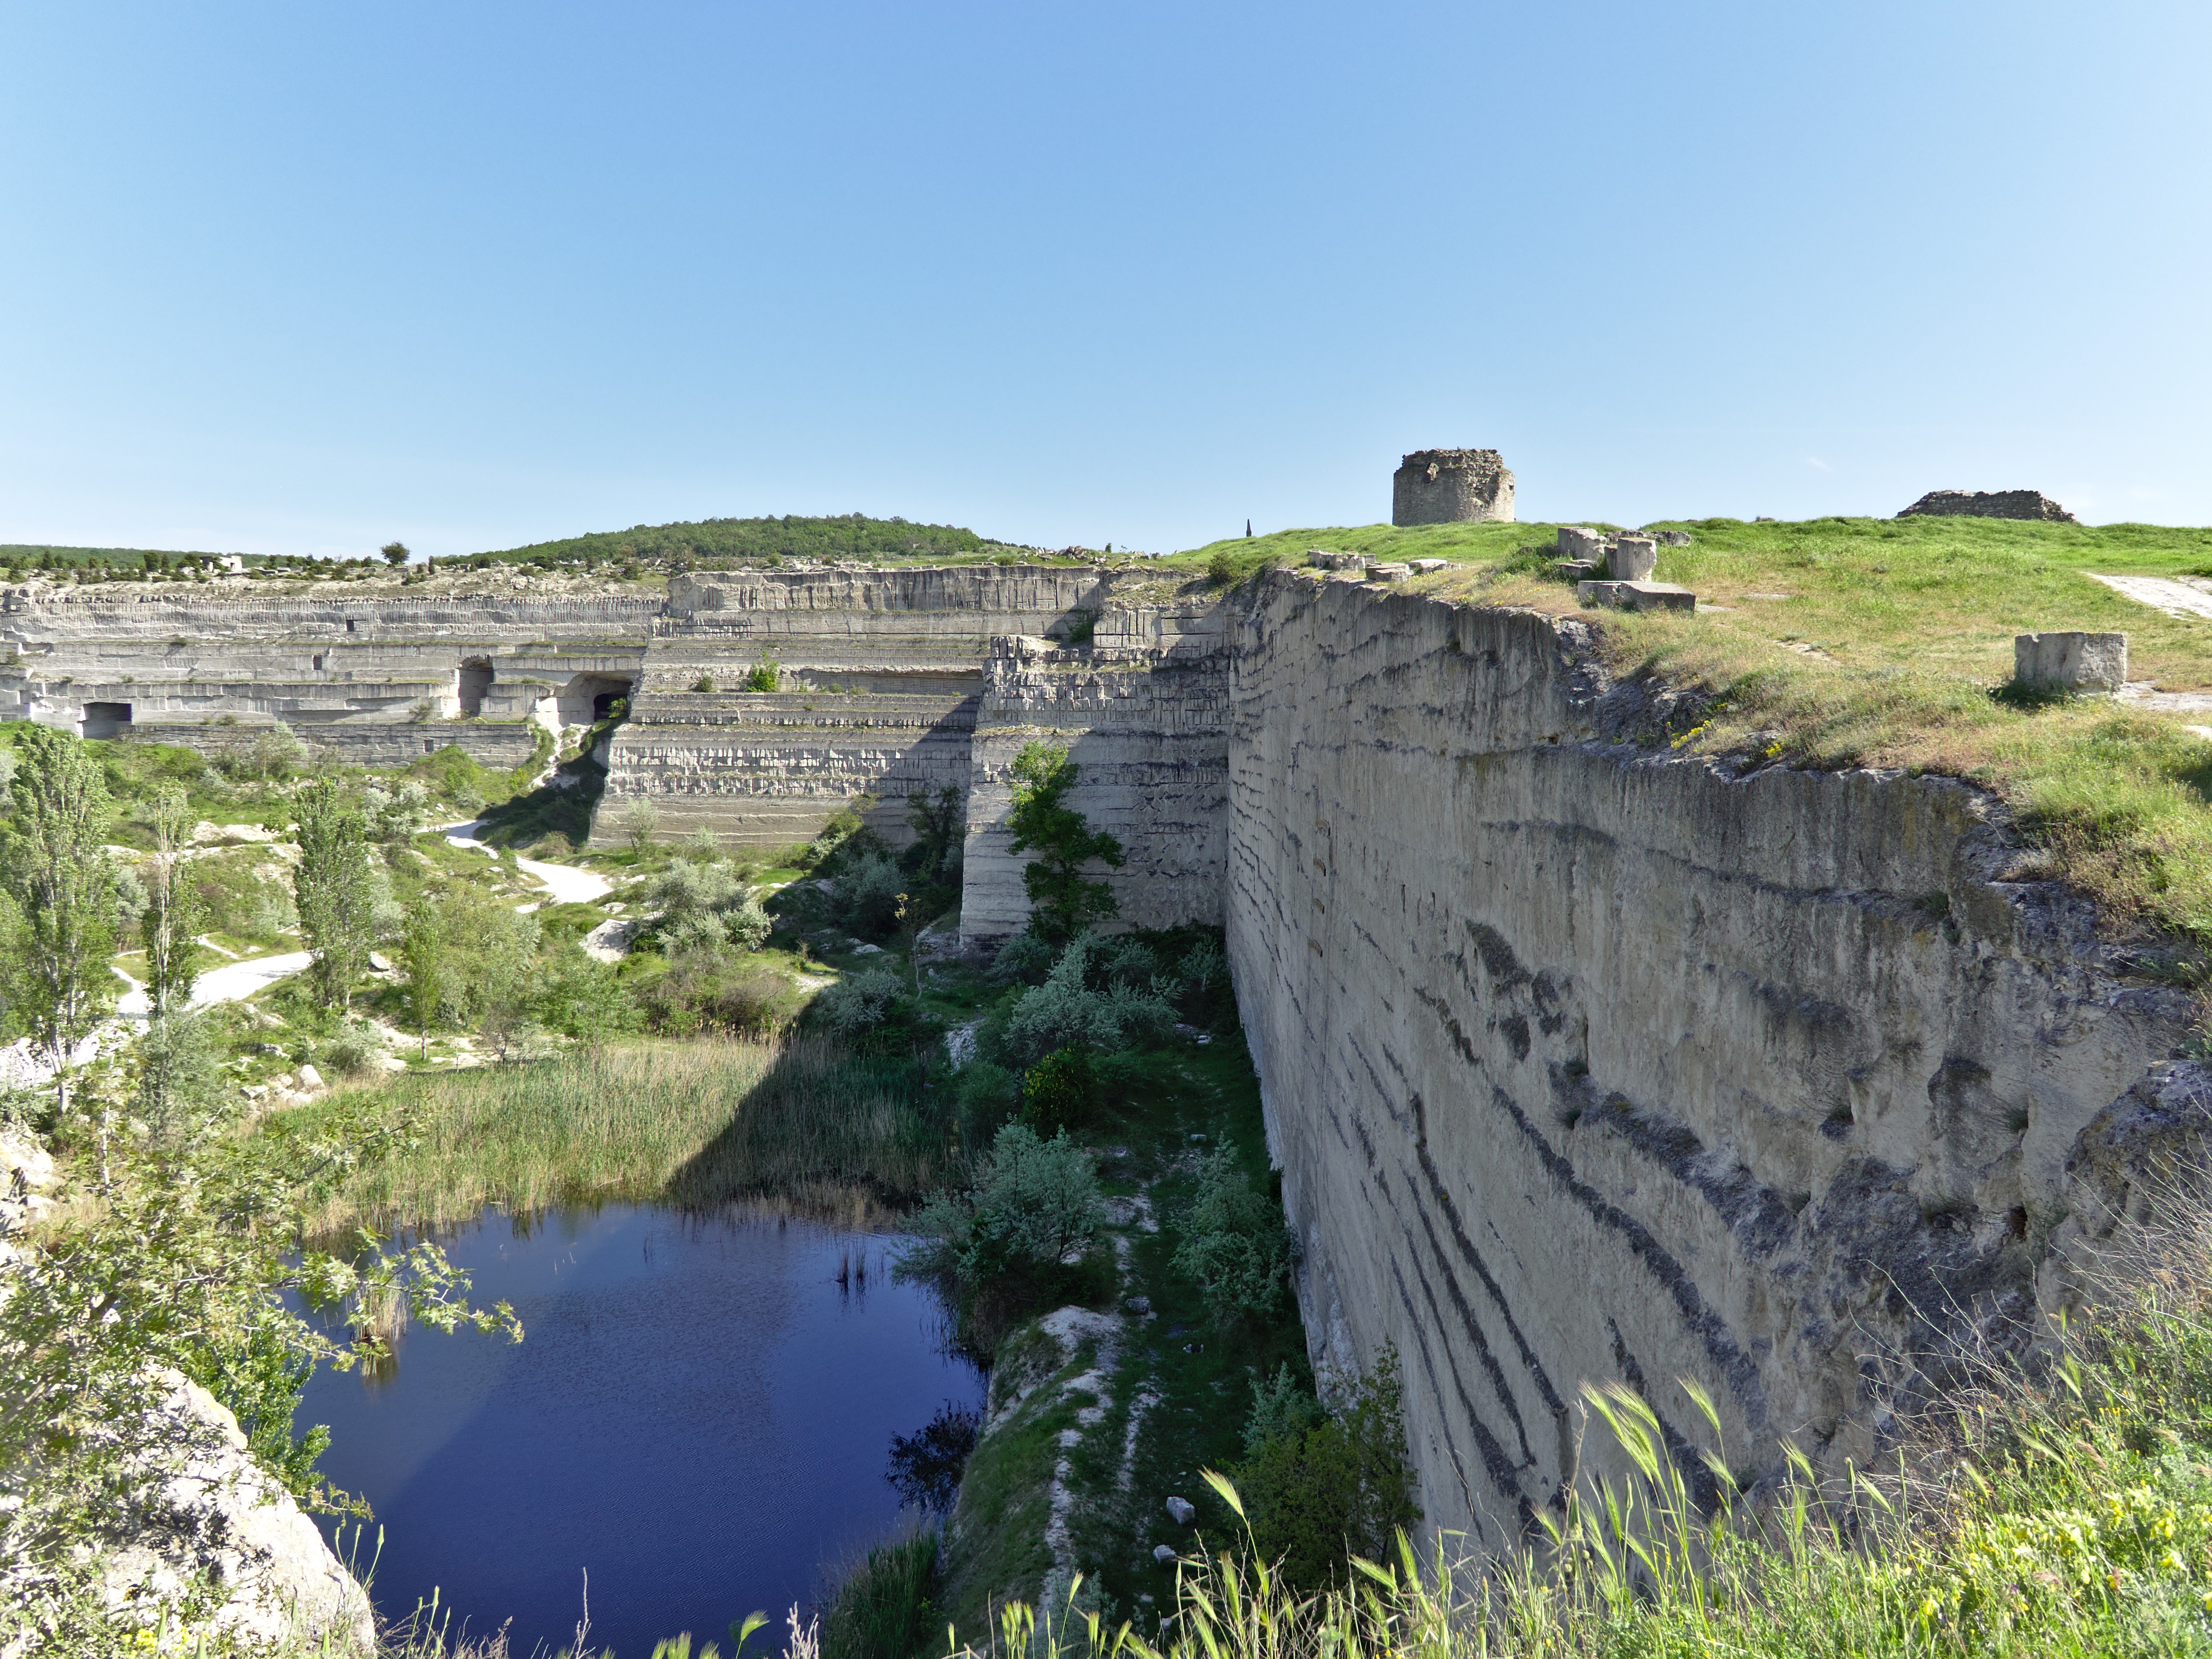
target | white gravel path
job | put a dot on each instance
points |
(234, 982)
(565, 885)
(2178, 596)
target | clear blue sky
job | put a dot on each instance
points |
(305, 277)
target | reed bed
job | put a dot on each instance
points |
(803, 1121)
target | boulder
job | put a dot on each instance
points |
(1182, 1510)
(2093, 664)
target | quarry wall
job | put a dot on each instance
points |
(1586, 1062)
(1583, 1059)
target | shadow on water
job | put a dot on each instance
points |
(698, 1417)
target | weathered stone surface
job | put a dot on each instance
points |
(1582, 1062)
(1577, 570)
(2095, 664)
(1143, 711)
(1451, 486)
(1637, 596)
(1632, 558)
(1425, 566)
(1389, 573)
(1576, 543)
(1990, 504)
(206, 1514)
(1669, 537)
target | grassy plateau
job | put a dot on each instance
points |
(1839, 642)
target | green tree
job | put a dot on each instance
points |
(173, 911)
(62, 886)
(1061, 902)
(395, 554)
(331, 887)
(1322, 1489)
(422, 953)
(936, 825)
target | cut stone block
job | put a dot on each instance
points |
(1389, 573)
(1577, 570)
(1576, 543)
(1324, 560)
(1637, 596)
(1634, 558)
(2094, 663)
(1427, 565)
(1671, 537)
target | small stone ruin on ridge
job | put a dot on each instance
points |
(1452, 486)
(1989, 504)
(1619, 570)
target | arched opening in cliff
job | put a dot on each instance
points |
(107, 720)
(589, 698)
(471, 682)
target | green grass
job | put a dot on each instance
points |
(885, 1609)
(2067, 1512)
(693, 1123)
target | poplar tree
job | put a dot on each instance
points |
(61, 888)
(331, 886)
(421, 953)
(172, 909)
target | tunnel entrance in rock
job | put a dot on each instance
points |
(589, 698)
(107, 720)
(474, 680)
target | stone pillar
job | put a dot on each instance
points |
(1634, 558)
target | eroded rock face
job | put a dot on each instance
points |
(1585, 1061)
(206, 1514)
(1990, 504)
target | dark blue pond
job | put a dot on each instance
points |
(700, 1415)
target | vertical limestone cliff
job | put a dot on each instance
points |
(1586, 1060)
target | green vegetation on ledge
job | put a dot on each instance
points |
(1878, 643)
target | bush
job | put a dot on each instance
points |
(355, 1048)
(1023, 1238)
(870, 895)
(705, 905)
(1056, 1091)
(700, 991)
(986, 1097)
(856, 1006)
(1339, 1487)
(1027, 957)
(1235, 1245)
(765, 676)
(1084, 1002)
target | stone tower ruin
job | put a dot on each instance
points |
(1452, 486)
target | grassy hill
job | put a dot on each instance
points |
(848, 536)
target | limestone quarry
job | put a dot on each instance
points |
(1583, 1058)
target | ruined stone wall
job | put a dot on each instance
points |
(1586, 1062)
(369, 678)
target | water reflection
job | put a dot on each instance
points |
(698, 1417)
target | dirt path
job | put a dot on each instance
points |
(562, 884)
